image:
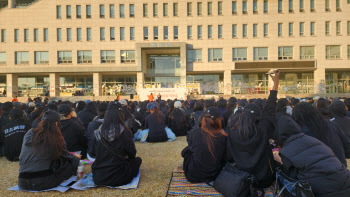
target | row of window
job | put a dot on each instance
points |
(122, 30)
(193, 55)
(199, 7)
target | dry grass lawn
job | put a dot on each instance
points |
(159, 160)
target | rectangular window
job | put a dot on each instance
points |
(22, 57)
(41, 57)
(3, 35)
(307, 53)
(78, 8)
(255, 30)
(79, 34)
(210, 8)
(2, 57)
(122, 33)
(102, 11)
(176, 32)
(132, 10)
(155, 10)
(145, 33)
(239, 54)
(175, 9)
(327, 8)
(111, 11)
(244, 30)
(64, 57)
(36, 35)
(210, 31)
(127, 56)
(166, 32)
(312, 5)
(132, 33)
(165, 9)
(69, 11)
(301, 5)
(266, 6)
(348, 51)
(26, 35)
(266, 30)
(291, 29)
(102, 34)
(88, 34)
(312, 28)
(338, 28)
(84, 57)
(285, 53)
(121, 11)
(194, 55)
(58, 12)
(88, 11)
(244, 7)
(348, 28)
(145, 10)
(234, 7)
(155, 33)
(260, 53)
(279, 29)
(69, 34)
(199, 8)
(189, 9)
(234, 31)
(327, 26)
(255, 6)
(199, 32)
(112, 33)
(291, 6)
(220, 8)
(337, 4)
(107, 56)
(333, 52)
(301, 29)
(220, 31)
(46, 35)
(279, 6)
(215, 55)
(189, 32)
(59, 34)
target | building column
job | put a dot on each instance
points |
(319, 81)
(54, 85)
(183, 66)
(12, 85)
(227, 82)
(97, 78)
(11, 3)
(140, 80)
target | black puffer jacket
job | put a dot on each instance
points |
(87, 114)
(75, 136)
(94, 125)
(308, 159)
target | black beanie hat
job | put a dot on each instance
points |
(52, 116)
(65, 109)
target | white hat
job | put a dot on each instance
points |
(123, 102)
(177, 104)
(31, 104)
(316, 97)
(303, 100)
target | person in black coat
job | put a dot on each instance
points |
(88, 114)
(73, 133)
(231, 106)
(339, 117)
(308, 159)
(248, 141)
(116, 163)
(204, 157)
(178, 122)
(155, 122)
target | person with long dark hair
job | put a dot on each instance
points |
(322, 107)
(116, 163)
(313, 124)
(248, 141)
(178, 121)
(155, 122)
(44, 162)
(205, 153)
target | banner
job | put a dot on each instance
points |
(166, 93)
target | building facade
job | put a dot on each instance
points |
(174, 47)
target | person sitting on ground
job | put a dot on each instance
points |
(116, 163)
(12, 134)
(338, 112)
(307, 159)
(88, 114)
(155, 122)
(347, 104)
(194, 117)
(222, 105)
(177, 121)
(44, 162)
(73, 133)
(170, 110)
(205, 153)
(322, 107)
(80, 106)
(129, 118)
(313, 124)
(248, 141)
(231, 106)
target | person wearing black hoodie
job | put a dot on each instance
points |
(339, 117)
(178, 121)
(74, 134)
(4, 119)
(308, 159)
(12, 134)
(88, 114)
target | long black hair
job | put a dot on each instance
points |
(179, 118)
(306, 115)
(247, 125)
(111, 127)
